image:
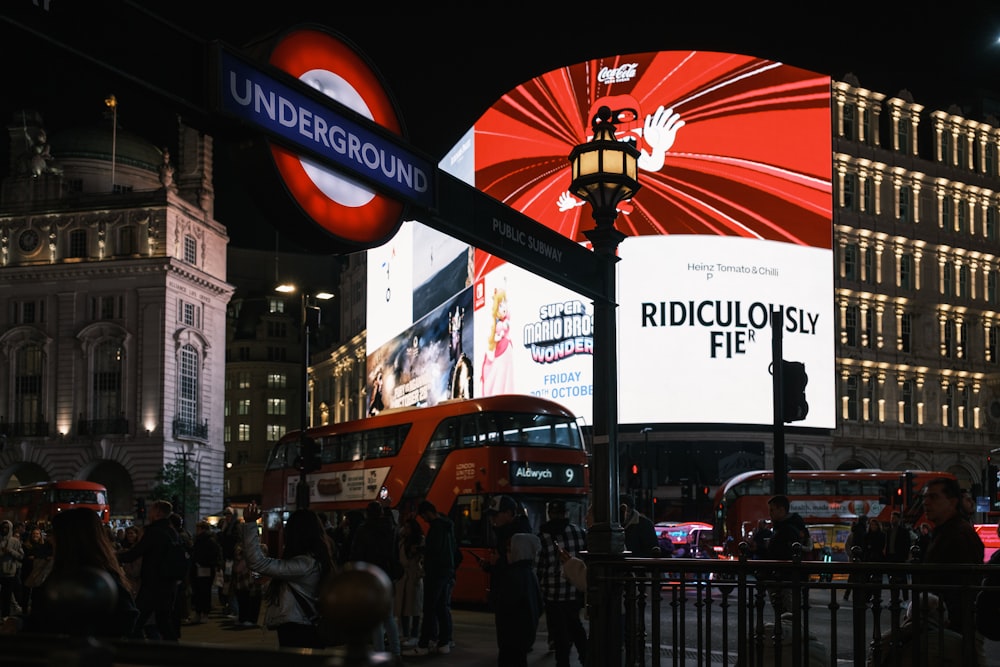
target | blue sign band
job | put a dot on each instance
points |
(303, 122)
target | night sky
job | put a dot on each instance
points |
(445, 63)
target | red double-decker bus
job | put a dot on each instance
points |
(456, 454)
(38, 503)
(828, 501)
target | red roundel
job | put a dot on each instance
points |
(342, 206)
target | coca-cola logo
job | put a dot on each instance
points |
(618, 74)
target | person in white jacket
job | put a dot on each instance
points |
(293, 594)
(11, 555)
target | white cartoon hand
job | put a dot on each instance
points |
(568, 201)
(660, 132)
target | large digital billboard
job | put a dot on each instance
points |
(733, 222)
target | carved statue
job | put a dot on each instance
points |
(39, 157)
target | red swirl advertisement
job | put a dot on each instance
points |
(732, 223)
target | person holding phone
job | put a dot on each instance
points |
(561, 540)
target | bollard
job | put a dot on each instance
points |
(354, 602)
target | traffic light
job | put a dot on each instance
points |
(140, 508)
(703, 492)
(308, 459)
(634, 477)
(793, 395)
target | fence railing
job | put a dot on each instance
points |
(762, 613)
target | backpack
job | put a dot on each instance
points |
(176, 561)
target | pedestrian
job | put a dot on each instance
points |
(182, 598)
(897, 549)
(563, 600)
(157, 592)
(36, 565)
(11, 555)
(788, 529)
(953, 541)
(374, 543)
(228, 537)
(874, 552)
(518, 602)
(856, 538)
(293, 593)
(133, 569)
(507, 520)
(440, 547)
(758, 540)
(206, 554)
(80, 542)
(640, 534)
(409, 594)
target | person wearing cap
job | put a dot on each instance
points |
(640, 535)
(508, 520)
(560, 540)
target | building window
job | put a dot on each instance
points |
(277, 354)
(225, 409)
(852, 398)
(991, 159)
(868, 337)
(189, 313)
(991, 224)
(906, 271)
(189, 383)
(905, 203)
(903, 135)
(109, 359)
(962, 219)
(963, 282)
(947, 213)
(126, 240)
(242, 457)
(27, 312)
(906, 393)
(851, 253)
(850, 121)
(991, 346)
(243, 432)
(78, 243)
(243, 380)
(106, 308)
(948, 279)
(276, 406)
(243, 352)
(851, 326)
(190, 250)
(868, 195)
(227, 434)
(277, 381)
(868, 257)
(850, 193)
(275, 432)
(243, 406)
(946, 147)
(905, 332)
(275, 305)
(277, 330)
(991, 286)
(29, 368)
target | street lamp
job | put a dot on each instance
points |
(604, 174)
(309, 319)
(111, 102)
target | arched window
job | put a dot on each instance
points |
(29, 367)
(189, 383)
(109, 360)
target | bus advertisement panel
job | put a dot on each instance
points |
(733, 222)
(456, 454)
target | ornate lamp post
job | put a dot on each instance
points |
(604, 174)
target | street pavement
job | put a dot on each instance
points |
(475, 640)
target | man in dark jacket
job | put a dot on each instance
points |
(787, 529)
(508, 520)
(157, 592)
(439, 580)
(374, 543)
(640, 534)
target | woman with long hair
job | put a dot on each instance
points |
(409, 593)
(81, 542)
(292, 596)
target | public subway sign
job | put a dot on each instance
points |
(332, 134)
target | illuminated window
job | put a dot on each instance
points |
(275, 432)
(29, 365)
(277, 380)
(189, 377)
(275, 305)
(276, 406)
(243, 431)
(109, 399)
(243, 379)
(190, 250)
(243, 406)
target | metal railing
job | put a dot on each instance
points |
(696, 612)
